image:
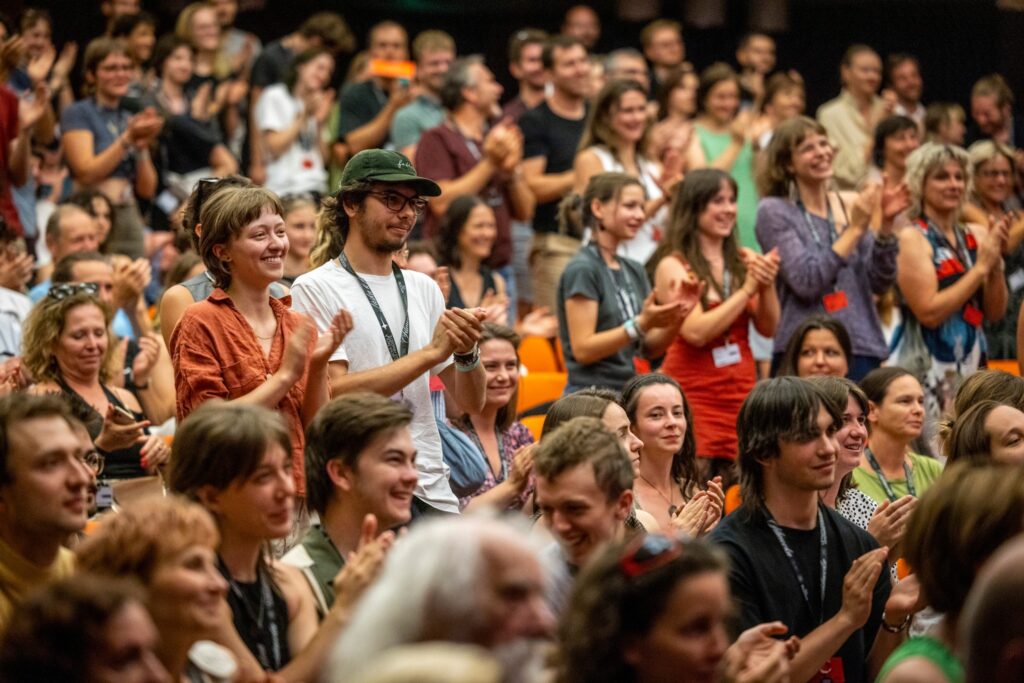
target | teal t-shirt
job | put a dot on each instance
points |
(923, 469)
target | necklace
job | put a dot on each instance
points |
(672, 507)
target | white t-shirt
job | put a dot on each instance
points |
(300, 168)
(14, 308)
(321, 293)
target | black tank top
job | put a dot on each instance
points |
(120, 464)
(455, 299)
(260, 615)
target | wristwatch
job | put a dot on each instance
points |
(899, 628)
(467, 361)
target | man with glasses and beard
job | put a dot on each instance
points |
(402, 333)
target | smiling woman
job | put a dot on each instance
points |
(241, 343)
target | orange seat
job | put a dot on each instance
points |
(540, 387)
(1009, 366)
(537, 355)
(732, 498)
(535, 423)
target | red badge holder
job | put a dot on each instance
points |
(973, 316)
(836, 301)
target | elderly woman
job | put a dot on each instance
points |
(67, 349)
(950, 275)
(169, 546)
(991, 200)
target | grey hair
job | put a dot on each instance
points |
(428, 590)
(923, 161)
(625, 52)
(459, 76)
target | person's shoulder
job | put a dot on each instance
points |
(931, 466)
(735, 527)
(325, 275)
(423, 284)
(774, 206)
(536, 116)
(829, 108)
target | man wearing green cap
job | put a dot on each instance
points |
(402, 333)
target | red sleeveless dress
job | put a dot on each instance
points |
(715, 394)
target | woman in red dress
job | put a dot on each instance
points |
(711, 358)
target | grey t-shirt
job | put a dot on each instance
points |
(620, 295)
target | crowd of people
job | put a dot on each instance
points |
(260, 413)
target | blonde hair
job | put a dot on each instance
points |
(923, 161)
(183, 29)
(45, 325)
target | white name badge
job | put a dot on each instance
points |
(104, 496)
(726, 355)
(1016, 280)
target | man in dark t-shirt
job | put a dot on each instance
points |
(367, 108)
(551, 133)
(794, 560)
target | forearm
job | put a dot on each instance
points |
(372, 134)
(317, 392)
(703, 326)
(45, 128)
(157, 398)
(522, 201)
(849, 240)
(598, 345)
(270, 393)
(307, 664)
(386, 380)
(145, 175)
(726, 159)
(18, 164)
(657, 341)
(499, 497)
(471, 183)
(944, 303)
(548, 187)
(277, 142)
(95, 168)
(818, 646)
(995, 295)
(768, 312)
(470, 388)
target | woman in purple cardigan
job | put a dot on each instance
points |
(832, 260)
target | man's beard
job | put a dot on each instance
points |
(376, 237)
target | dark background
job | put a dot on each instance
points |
(957, 41)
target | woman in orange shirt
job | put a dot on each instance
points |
(241, 344)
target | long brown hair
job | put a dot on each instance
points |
(599, 129)
(691, 199)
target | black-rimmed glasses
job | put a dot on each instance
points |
(396, 202)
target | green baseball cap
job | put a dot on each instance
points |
(385, 166)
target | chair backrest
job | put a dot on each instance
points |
(535, 423)
(537, 355)
(540, 387)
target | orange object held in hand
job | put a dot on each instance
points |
(393, 68)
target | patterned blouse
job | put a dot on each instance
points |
(509, 441)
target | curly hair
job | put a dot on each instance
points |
(684, 463)
(45, 325)
(609, 610)
(136, 540)
(774, 176)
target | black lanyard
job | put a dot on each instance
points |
(389, 338)
(889, 493)
(823, 559)
(623, 294)
(267, 609)
(832, 234)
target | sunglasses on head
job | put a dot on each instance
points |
(63, 291)
(648, 553)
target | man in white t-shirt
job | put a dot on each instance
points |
(402, 332)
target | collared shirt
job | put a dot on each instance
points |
(410, 121)
(216, 354)
(18, 576)
(851, 134)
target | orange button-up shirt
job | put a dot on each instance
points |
(216, 354)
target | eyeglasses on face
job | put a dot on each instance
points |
(64, 290)
(396, 202)
(94, 461)
(647, 553)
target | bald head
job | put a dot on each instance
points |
(991, 630)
